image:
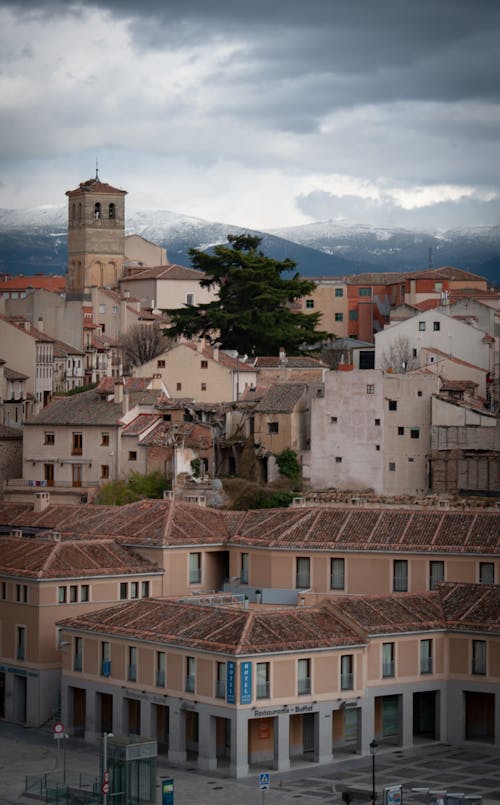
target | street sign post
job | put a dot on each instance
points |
(264, 783)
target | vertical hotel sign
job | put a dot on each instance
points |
(230, 680)
(246, 683)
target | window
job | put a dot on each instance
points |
(77, 653)
(123, 590)
(436, 573)
(104, 439)
(132, 455)
(178, 386)
(419, 393)
(309, 303)
(377, 422)
(333, 420)
(195, 568)
(160, 364)
(272, 427)
(346, 672)
(438, 286)
(353, 315)
(339, 317)
(370, 389)
(85, 593)
(111, 210)
(190, 299)
(364, 291)
(77, 444)
(426, 656)
(392, 405)
(400, 580)
(134, 589)
(132, 664)
(21, 642)
(262, 675)
(220, 682)
(114, 309)
(105, 658)
(3, 590)
(421, 326)
(479, 656)
(244, 568)
(338, 459)
(392, 466)
(190, 674)
(22, 593)
(61, 595)
(415, 433)
(377, 447)
(49, 438)
(145, 589)
(387, 659)
(203, 386)
(97, 210)
(105, 471)
(161, 663)
(102, 309)
(486, 573)
(339, 292)
(337, 574)
(303, 576)
(436, 326)
(73, 593)
(303, 677)
(204, 365)
(401, 431)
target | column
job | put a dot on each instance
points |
(282, 742)
(207, 741)
(497, 717)
(367, 724)
(406, 728)
(177, 734)
(239, 744)
(323, 735)
(91, 702)
(146, 717)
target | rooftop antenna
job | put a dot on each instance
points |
(430, 257)
(96, 170)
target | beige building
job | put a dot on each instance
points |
(200, 372)
(329, 298)
(167, 286)
(30, 352)
(371, 430)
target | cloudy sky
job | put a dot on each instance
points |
(264, 113)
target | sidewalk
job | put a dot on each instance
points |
(471, 770)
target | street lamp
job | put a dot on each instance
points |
(373, 750)
(105, 772)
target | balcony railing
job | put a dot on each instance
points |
(262, 691)
(106, 668)
(160, 679)
(244, 577)
(388, 668)
(77, 663)
(132, 673)
(195, 576)
(302, 581)
(426, 665)
(220, 689)
(304, 686)
(346, 681)
(189, 686)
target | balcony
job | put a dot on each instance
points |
(190, 683)
(195, 576)
(304, 686)
(220, 689)
(388, 668)
(302, 581)
(346, 681)
(77, 663)
(426, 665)
(106, 668)
(244, 577)
(160, 679)
(132, 673)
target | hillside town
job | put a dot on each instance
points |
(244, 638)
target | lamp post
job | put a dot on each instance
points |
(373, 750)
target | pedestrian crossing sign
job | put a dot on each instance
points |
(264, 780)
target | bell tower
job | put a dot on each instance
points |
(96, 236)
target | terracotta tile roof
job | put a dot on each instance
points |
(130, 384)
(444, 272)
(223, 629)
(20, 323)
(61, 350)
(403, 612)
(139, 424)
(11, 374)
(452, 359)
(281, 398)
(223, 358)
(190, 434)
(95, 186)
(55, 283)
(290, 362)
(172, 271)
(7, 433)
(86, 408)
(428, 304)
(47, 558)
(253, 393)
(471, 606)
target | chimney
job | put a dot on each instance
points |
(39, 323)
(156, 383)
(118, 392)
(42, 500)
(215, 352)
(125, 401)
(282, 355)
(200, 344)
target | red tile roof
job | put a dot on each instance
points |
(95, 186)
(172, 271)
(55, 283)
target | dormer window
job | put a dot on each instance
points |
(111, 211)
(97, 211)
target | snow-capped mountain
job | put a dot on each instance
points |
(34, 240)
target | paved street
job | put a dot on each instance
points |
(471, 770)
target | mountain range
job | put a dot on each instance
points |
(35, 241)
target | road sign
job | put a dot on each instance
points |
(105, 776)
(264, 780)
(105, 788)
(58, 728)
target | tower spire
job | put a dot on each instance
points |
(96, 170)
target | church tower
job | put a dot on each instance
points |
(96, 236)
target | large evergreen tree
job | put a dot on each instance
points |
(252, 312)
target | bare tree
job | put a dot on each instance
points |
(399, 356)
(142, 343)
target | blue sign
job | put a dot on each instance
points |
(246, 683)
(264, 780)
(167, 791)
(230, 677)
